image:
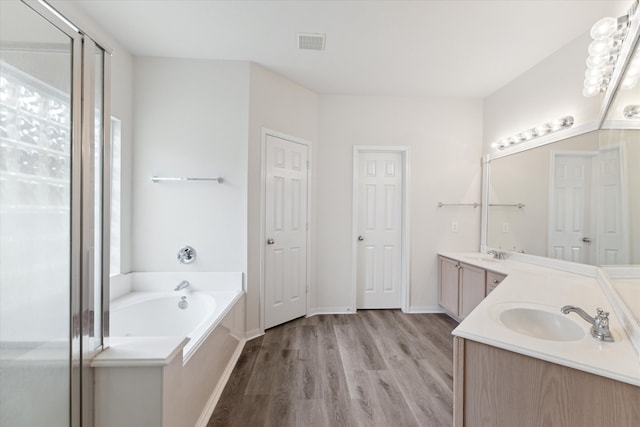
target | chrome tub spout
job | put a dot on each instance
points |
(182, 285)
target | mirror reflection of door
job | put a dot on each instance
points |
(572, 228)
(613, 223)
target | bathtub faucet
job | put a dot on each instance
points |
(182, 285)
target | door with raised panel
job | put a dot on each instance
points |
(379, 255)
(570, 225)
(285, 268)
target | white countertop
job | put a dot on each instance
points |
(529, 285)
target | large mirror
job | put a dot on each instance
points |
(578, 199)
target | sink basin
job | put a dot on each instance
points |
(542, 324)
(483, 258)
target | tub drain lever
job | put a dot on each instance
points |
(183, 304)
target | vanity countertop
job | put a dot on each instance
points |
(532, 286)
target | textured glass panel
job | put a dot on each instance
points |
(35, 178)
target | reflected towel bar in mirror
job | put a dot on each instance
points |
(475, 205)
(157, 179)
(515, 205)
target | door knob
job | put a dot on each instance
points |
(270, 241)
(586, 239)
(360, 238)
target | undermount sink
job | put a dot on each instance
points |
(541, 323)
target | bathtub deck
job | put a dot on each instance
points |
(377, 367)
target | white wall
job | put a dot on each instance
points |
(445, 136)
(191, 120)
(550, 90)
(121, 108)
(281, 105)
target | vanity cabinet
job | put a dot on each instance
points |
(493, 280)
(496, 387)
(461, 286)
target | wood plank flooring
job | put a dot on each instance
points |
(373, 368)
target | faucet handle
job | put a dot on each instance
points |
(602, 316)
(600, 329)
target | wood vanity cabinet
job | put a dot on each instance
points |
(461, 286)
(497, 387)
(493, 280)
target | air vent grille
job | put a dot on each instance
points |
(311, 41)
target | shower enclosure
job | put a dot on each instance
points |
(53, 92)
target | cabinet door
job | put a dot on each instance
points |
(472, 288)
(448, 285)
(493, 280)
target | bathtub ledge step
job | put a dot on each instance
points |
(139, 351)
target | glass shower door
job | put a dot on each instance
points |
(36, 265)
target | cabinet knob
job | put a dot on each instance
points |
(496, 281)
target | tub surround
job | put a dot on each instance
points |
(535, 286)
(155, 381)
(140, 351)
(122, 284)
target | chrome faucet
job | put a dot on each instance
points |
(182, 285)
(496, 254)
(600, 323)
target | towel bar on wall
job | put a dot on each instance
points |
(157, 179)
(475, 205)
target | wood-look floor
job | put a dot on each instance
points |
(373, 368)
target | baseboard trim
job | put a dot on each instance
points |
(203, 420)
(253, 334)
(330, 310)
(425, 309)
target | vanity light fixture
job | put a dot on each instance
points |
(536, 132)
(608, 34)
(631, 112)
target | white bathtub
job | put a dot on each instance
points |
(151, 374)
(156, 314)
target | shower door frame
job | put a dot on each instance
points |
(81, 397)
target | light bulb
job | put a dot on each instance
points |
(600, 61)
(590, 91)
(600, 47)
(557, 124)
(542, 129)
(604, 28)
(527, 135)
(631, 112)
(594, 81)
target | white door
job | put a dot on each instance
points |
(613, 232)
(379, 224)
(285, 269)
(570, 224)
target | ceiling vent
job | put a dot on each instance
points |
(311, 41)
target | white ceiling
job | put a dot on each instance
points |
(405, 48)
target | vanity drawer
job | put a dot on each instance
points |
(493, 280)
